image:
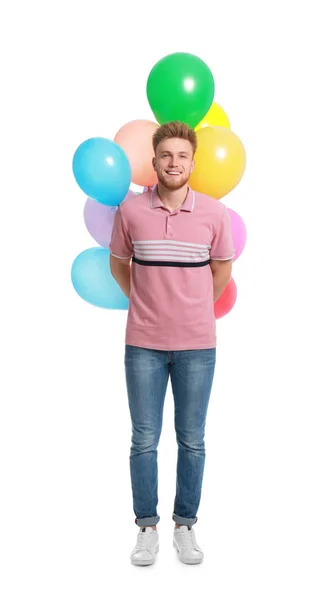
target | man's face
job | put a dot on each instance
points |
(173, 162)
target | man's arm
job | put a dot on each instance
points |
(221, 271)
(120, 269)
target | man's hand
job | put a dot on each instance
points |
(221, 271)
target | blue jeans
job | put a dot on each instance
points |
(147, 373)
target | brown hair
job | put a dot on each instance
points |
(175, 129)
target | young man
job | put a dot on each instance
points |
(181, 247)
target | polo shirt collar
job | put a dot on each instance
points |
(188, 205)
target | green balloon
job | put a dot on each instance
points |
(180, 87)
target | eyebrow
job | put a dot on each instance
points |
(168, 152)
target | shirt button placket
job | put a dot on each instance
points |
(168, 226)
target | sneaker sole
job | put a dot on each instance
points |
(189, 561)
(144, 562)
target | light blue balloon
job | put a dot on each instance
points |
(102, 170)
(92, 279)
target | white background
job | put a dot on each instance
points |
(73, 70)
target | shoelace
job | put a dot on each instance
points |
(188, 541)
(143, 539)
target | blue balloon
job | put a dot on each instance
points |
(102, 170)
(92, 279)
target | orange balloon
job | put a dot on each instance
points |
(226, 301)
(220, 162)
(135, 138)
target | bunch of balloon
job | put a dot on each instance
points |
(181, 87)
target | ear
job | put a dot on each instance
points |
(154, 163)
(192, 166)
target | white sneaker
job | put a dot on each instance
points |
(185, 543)
(144, 553)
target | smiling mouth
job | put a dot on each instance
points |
(174, 173)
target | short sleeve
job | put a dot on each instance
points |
(222, 247)
(121, 244)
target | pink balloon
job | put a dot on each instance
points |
(99, 219)
(135, 138)
(226, 301)
(239, 233)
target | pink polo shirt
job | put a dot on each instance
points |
(171, 303)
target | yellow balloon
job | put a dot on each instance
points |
(220, 162)
(216, 116)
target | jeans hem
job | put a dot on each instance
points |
(146, 521)
(184, 520)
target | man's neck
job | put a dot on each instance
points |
(172, 199)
